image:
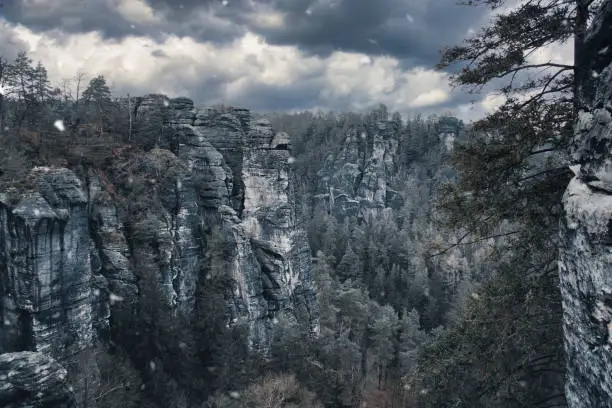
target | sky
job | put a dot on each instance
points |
(265, 55)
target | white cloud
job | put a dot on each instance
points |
(433, 97)
(346, 80)
(134, 11)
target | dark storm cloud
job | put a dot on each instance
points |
(79, 16)
(71, 16)
(412, 31)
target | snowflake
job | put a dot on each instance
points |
(59, 125)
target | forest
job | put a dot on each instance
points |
(446, 297)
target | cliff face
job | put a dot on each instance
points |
(355, 181)
(586, 282)
(46, 281)
(255, 200)
(71, 250)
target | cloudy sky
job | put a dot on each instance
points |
(260, 54)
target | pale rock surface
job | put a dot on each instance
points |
(586, 232)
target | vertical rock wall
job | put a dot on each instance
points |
(585, 265)
(45, 271)
(68, 252)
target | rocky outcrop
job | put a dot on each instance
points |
(236, 174)
(355, 181)
(586, 233)
(73, 252)
(33, 380)
(363, 176)
(46, 281)
(248, 179)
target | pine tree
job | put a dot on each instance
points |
(98, 103)
(512, 172)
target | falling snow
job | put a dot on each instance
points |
(291, 160)
(59, 125)
(114, 298)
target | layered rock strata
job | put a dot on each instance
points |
(355, 181)
(71, 250)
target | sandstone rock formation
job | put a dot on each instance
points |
(585, 265)
(46, 281)
(72, 250)
(355, 181)
(255, 199)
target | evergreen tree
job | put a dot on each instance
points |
(98, 103)
(512, 173)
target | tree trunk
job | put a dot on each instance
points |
(582, 16)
